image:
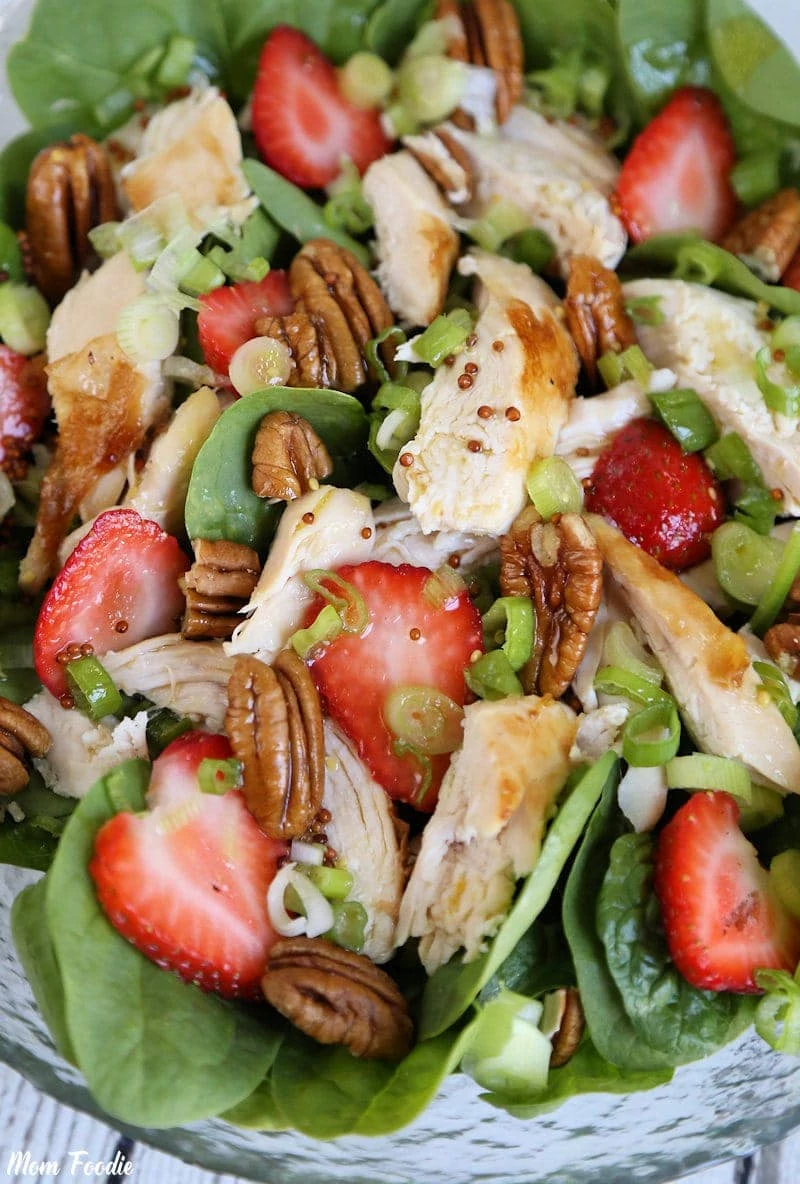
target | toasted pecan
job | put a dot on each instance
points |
(767, 237)
(218, 584)
(488, 35)
(446, 162)
(305, 336)
(782, 643)
(570, 1033)
(21, 737)
(289, 459)
(594, 307)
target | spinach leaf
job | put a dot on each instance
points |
(392, 27)
(454, 986)
(687, 257)
(33, 841)
(258, 1112)
(294, 210)
(540, 962)
(220, 503)
(35, 951)
(154, 1050)
(585, 1073)
(781, 835)
(756, 65)
(670, 1015)
(664, 47)
(610, 1028)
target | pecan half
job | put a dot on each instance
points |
(595, 310)
(767, 237)
(217, 585)
(289, 459)
(313, 358)
(21, 737)
(489, 36)
(559, 565)
(338, 997)
(274, 723)
(568, 1037)
(70, 190)
(782, 643)
(342, 296)
(446, 162)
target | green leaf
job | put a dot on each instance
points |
(669, 1015)
(35, 951)
(33, 841)
(155, 1051)
(540, 962)
(454, 986)
(392, 27)
(258, 1112)
(756, 65)
(220, 503)
(664, 47)
(293, 210)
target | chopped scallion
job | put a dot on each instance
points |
(531, 246)
(502, 220)
(622, 649)
(492, 677)
(164, 726)
(219, 776)
(613, 680)
(333, 882)
(403, 748)
(393, 422)
(645, 310)
(174, 67)
(652, 736)
(148, 329)
(429, 88)
(745, 562)
(349, 928)
(203, 276)
(687, 417)
(344, 596)
(785, 400)
(630, 364)
(777, 688)
(373, 354)
(754, 504)
(366, 80)
(510, 625)
(259, 363)
(703, 771)
(445, 336)
(772, 601)
(91, 687)
(324, 628)
(424, 717)
(553, 487)
(24, 317)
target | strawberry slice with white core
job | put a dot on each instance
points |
(302, 123)
(722, 918)
(186, 882)
(419, 635)
(228, 316)
(119, 586)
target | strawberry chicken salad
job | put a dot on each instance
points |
(401, 577)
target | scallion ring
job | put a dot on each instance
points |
(553, 488)
(424, 717)
(492, 677)
(772, 601)
(613, 680)
(652, 736)
(510, 625)
(344, 596)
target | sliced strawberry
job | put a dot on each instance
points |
(722, 919)
(119, 586)
(227, 317)
(665, 500)
(412, 639)
(791, 277)
(302, 123)
(677, 173)
(186, 883)
(24, 408)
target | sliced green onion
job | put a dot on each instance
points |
(176, 63)
(394, 421)
(251, 247)
(785, 400)
(11, 266)
(731, 459)
(259, 363)
(164, 726)
(772, 601)
(697, 262)
(777, 1018)
(445, 336)
(762, 807)
(324, 628)
(776, 686)
(24, 317)
(559, 84)
(403, 748)
(786, 336)
(401, 121)
(345, 598)
(492, 677)
(444, 587)
(105, 239)
(510, 624)
(15, 655)
(424, 717)
(432, 37)
(745, 562)
(784, 876)
(219, 776)
(687, 417)
(92, 688)
(645, 310)
(640, 747)
(366, 80)
(703, 771)
(349, 928)
(613, 680)
(203, 276)
(372, 353)
(333, 882)
(530, 246)
(429, 88)
(143, 237)
(623, 650)
(630, 364)
(502, 220)
(756, 176)
(553, 487)
(349, 211)
(148, 329)
(418, 380)
(508, 1052)
(132, 705)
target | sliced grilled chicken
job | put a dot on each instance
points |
(363, 833)
(496, 410)
(594, 422)
(191, 677)
(707, 667)
(486, 830)
(398, 539)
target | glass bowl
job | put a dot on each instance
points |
(716, 1109)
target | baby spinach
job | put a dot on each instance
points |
(671, 1016)
(664, 47)
(220, 503)
(392, 27)
(540, 962)
(687, 257)
(35, 950)
(155, 1051)
(760, 70)
(454, 986)
(32, 842)
(258, 1111)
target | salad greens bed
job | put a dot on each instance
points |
(587, 915)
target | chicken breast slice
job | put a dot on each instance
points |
(398, 539)
(417, 245)
(593, 423)
(190, 677)
(464, 471)
(560, 176)
(710, 340)
(706, 666)
(342, 531)
(192, 148)
(487, 828)
(93, 307)
(363, 832)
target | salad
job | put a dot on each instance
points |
(401, 571)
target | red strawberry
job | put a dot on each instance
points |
(791, 277)
(24, 408)
(302, 123)
(411, 640)
(666, 501)
(119, 586)
(227, 317)
(186, 883)
(677, 173)
(722, 919)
